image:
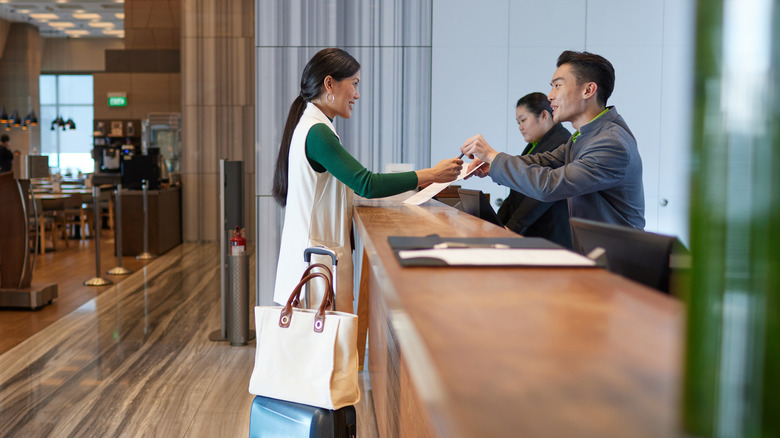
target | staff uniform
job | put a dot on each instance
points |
(599, 170)
(531, 217)
(321, 179)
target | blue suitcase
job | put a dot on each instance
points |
(282, 419)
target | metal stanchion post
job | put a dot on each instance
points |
(97, 280)
(118, 270)
(146, 255)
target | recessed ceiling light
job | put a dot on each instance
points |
(116, 32)
(77, 33)
(45, 17)
(100, 24)
(87, 16)
(61, 24)
(23, 11)
(120, 16)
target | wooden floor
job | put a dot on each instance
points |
(68, 268)
(132, 359)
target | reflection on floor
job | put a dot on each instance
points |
(136, 361)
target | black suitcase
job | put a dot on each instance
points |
(282, 419)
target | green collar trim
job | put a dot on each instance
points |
(577, 134)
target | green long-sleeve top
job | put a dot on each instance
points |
(325, 153)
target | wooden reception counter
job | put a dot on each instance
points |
(494, 352)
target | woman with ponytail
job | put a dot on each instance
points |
(315, 177)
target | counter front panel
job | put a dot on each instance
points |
(542, 352)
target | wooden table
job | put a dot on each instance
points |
(493, 352)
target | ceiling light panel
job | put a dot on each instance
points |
(87, 16)
(53, 17)
(45, 17)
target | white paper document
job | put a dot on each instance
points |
(432, 190)
(501, 257)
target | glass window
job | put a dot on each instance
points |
(75, 89)
(69, 97)
(48, 89)
(48, 137)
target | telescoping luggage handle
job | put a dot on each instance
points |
(319, 318)
(325, 251)
(320, 250)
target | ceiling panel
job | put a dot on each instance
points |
(68, 18)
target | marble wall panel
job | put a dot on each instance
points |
(20, 67)
(191, 206)
(190, 155)
(535, 24)
(208, 192)
(467, 23)
(218, 97)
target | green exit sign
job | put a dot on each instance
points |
(114, 101)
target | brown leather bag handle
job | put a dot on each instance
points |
(319, 318)
(296, 302)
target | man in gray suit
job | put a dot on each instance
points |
(598, 169)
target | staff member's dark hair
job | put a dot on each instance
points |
(4, 138)
(332, 62)
(589, 67)
(535, 103)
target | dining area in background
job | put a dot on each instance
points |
(63, 206)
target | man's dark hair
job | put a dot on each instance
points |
(589, 67)
(4, 138)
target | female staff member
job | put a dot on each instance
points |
(315, 176)
(528, 216)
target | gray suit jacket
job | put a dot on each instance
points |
(531, 217)
(600, 173)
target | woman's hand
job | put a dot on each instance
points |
(477, 147)
(446, 171)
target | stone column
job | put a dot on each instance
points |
(20, 66)
(217, 56)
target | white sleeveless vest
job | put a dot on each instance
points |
(318, 212)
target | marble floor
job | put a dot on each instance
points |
(136, 361)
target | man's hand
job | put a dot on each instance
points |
(482, 168)
(478, 147)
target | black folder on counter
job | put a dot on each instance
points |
(434, 250)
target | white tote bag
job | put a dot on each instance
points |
(304, 355)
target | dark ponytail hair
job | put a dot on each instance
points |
(332, 62)
(535, 103)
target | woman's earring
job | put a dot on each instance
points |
(330, 98)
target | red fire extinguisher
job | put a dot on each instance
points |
(237, 243)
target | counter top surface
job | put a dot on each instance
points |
(526, 351)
